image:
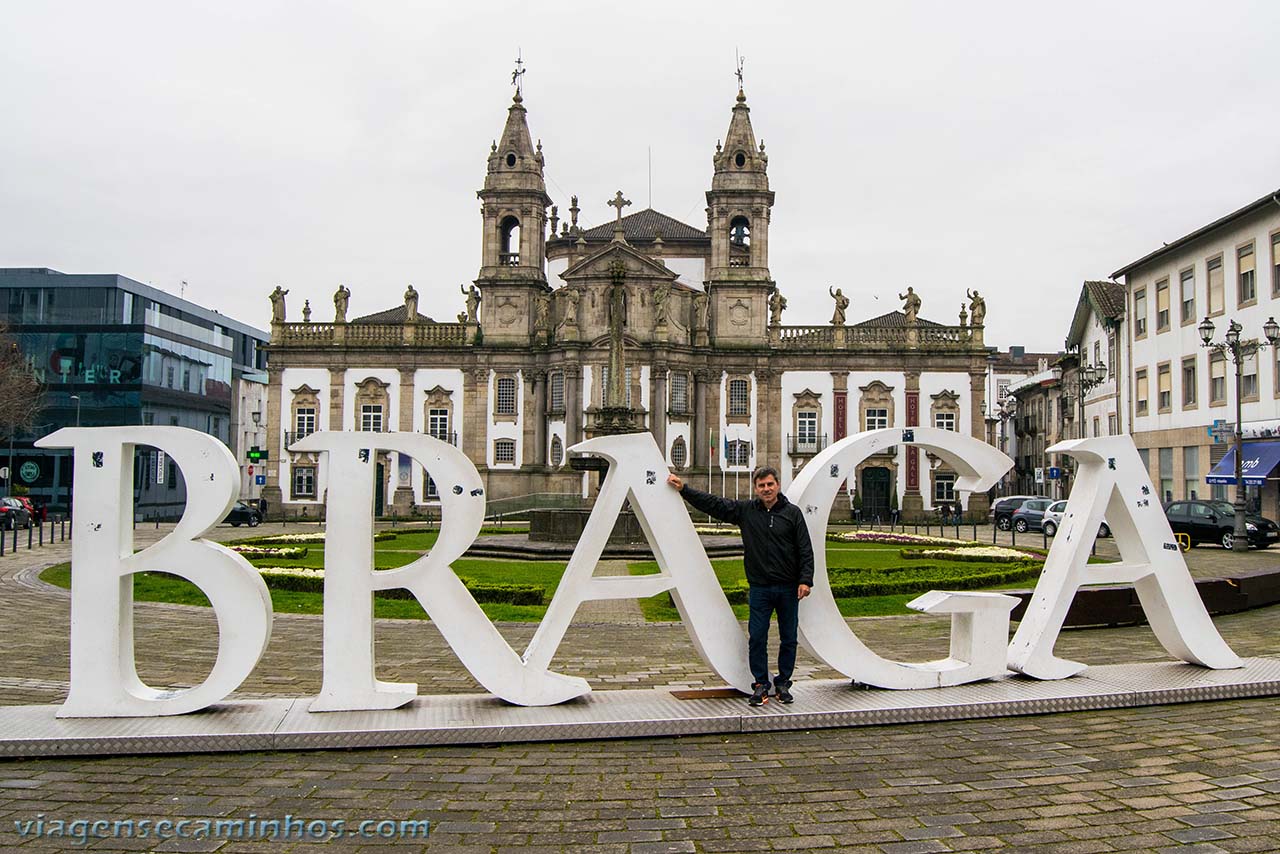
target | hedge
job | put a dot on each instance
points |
(511, 594)
(921, 578)
(282, 540)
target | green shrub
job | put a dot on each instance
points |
(511, 594)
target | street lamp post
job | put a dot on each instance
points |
(1238, 350)
(76, 398)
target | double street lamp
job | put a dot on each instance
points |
(1239, 351)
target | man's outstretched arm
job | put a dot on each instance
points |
(724, 509)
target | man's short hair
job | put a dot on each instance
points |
(763, 472)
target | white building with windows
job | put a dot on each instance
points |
(1228, 270)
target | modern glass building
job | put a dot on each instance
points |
(111, 351)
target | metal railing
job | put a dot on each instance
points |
(806, 444)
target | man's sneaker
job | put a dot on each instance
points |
(759, 694)
(784, 693)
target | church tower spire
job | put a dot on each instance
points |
(739, 206)
(513, 211)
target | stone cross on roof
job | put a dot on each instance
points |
(619, 203)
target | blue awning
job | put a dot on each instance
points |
(1259, 458)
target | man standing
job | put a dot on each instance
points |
(778, 558)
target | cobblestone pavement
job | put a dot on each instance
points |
(1200, 777)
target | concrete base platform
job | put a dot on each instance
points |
(285, 724)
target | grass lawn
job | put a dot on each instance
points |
(404, 549)
(842, 559)
(872, 557)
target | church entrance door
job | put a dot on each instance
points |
(875, 494)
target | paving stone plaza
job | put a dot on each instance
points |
(1195, 777)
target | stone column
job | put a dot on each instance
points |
(658, 406)
(572, 404)
(713, 410)
(700, 456)
(762, 378)
(272, 491)
(402, 497)
(912, 500)
(778, 429)
(337, 389)
(978, 503)
(475, 419)
(536, 438)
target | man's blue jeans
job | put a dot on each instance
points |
(765, 600)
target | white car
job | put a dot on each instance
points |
(1053, 518)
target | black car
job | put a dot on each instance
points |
(14, 514)
(1215, 522)
(243, 514)
(1002, 510)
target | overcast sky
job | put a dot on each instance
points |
(1019, 148)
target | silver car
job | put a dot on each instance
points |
(1053, 518)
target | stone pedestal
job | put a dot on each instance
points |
(979, 507)
(275, 502)
(912, 507)
(401, 502)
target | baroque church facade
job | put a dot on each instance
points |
(643, 324)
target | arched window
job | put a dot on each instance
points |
(509, 242)
(739, 242)
(679, 453)
(557, 451)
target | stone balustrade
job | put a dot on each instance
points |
(826, 338)
(818, 338)
(369, 334)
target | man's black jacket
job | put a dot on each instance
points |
(775, 542)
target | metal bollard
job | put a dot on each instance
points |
(29, 527)
(15, 538)
(42, 534)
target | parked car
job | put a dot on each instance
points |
(1030, 514)
(31, 508)
(1053, 520)
(1215, 522)
(244, 514)
(13, 514)
(1002, 511)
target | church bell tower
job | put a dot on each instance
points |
(513, 208)
(738, 210)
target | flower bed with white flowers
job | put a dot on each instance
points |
(308, 580)
(315, 538)
(895, 538)
(972, 554)
(281, 552)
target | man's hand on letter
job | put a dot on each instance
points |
(802, 591)
(675, 482)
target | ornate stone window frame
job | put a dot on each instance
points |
(499, 415)
(372, 391)
(555, 407)
(732, 417)
(875, 395)
(304, 397)
(806, 401)
(680, 460)
(438, 398)
(686, 413)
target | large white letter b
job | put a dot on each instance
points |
(104, 676)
